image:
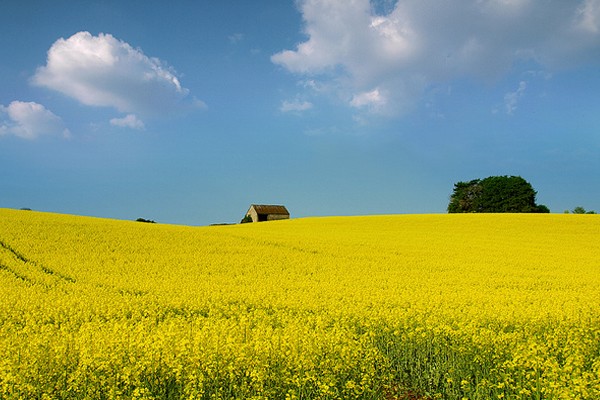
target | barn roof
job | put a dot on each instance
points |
(270, 209)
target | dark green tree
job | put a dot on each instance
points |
(465, 197)
(495, 194)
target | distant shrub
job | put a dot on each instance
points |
(246, 219)
(146, 220)
(581, 210)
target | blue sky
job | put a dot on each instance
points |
(188, 111)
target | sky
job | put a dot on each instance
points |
(187, 112)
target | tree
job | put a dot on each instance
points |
(465, 197)
(495, 194)
(581, 210)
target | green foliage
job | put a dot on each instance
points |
(246, 219)
(146, 220)
(580, 210)
(465, 197)
(495, 194)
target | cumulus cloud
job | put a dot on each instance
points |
(105, 71)
(129, 121)
(383, 62)
(295, 106)
(29, 120)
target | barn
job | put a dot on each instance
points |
(267, 212)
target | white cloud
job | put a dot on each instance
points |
(373, 99)
(29, 120)
(511, 99)
(295, 106)
(357, 52)
(129, 121)
(104, 71)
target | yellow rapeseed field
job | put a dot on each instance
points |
(477, 306)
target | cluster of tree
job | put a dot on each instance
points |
(580, 210)
(495, 194)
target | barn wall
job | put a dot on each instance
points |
(253, 214)
(274, 217)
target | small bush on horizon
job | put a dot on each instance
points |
(149, 221)
(580, 210)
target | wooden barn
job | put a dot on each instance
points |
(267, 212)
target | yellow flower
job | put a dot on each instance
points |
(334, 307)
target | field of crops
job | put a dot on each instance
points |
(383, 307)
